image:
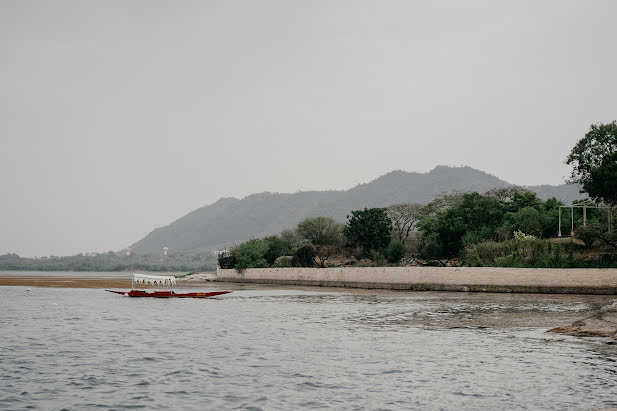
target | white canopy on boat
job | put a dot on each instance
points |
(161, 280)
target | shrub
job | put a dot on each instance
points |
(396, 251)
(283, 262)
(378, 258)
(304, 257)
(587, 234)
(530, 252)
(226, 260)
(277, 247)
(251, 254)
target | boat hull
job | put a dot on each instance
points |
(168, 294)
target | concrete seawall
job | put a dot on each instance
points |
(474, 279)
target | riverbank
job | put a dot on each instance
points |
(466, 279)
(71, 282)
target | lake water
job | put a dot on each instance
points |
(268, 348)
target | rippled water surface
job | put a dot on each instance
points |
(287, 349)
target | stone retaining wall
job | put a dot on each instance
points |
(479, 279)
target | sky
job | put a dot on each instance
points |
(117, 117)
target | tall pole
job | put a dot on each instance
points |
(572, 227)
(559, 233)
(584, 216)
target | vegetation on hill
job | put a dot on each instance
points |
(112, 261)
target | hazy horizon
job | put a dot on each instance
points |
(120, 117)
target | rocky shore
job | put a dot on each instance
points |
(601, 323)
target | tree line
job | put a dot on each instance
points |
(504, 227)
(112, 261)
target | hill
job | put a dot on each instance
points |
(232, 220)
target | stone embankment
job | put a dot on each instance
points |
(468, 279)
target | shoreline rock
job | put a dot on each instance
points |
(602, 323)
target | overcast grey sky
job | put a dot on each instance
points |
(117, 117)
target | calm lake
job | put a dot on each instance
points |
(286, 348)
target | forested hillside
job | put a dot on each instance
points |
(232, 220)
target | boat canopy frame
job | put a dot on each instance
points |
(155, 280)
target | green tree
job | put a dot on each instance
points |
(528, 220)
(469, 218)
(325, 233)
(594, 162)
(321, 230)
(277, 247)
(250, 254)
(369, 228)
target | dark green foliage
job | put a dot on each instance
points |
(470, 218)
(369, 228)
(277, 247)
(443, 235)
(456, 221)
(550, 217)
(258, 253)
(594, 162)
(251, 254)
(304, 257)
(528, 220)
(226, 260)
(587, 234)
(396, 251)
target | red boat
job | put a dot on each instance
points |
(161, 281)
(167, 294)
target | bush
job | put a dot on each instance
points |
(304, 257)
(530, 252)
(226, 260)
(277, 247)
(396, 251)
(251, 254)
(378, 258)
(587, 234)
(283, 262)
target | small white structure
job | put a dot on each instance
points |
(128, 251)
(165, 249)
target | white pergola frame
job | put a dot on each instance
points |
(584, 207)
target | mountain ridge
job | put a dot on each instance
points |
(230, 220)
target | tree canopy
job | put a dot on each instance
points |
(321, 230)
(594, 162)
(369, 228)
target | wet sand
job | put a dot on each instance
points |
(72, 282)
